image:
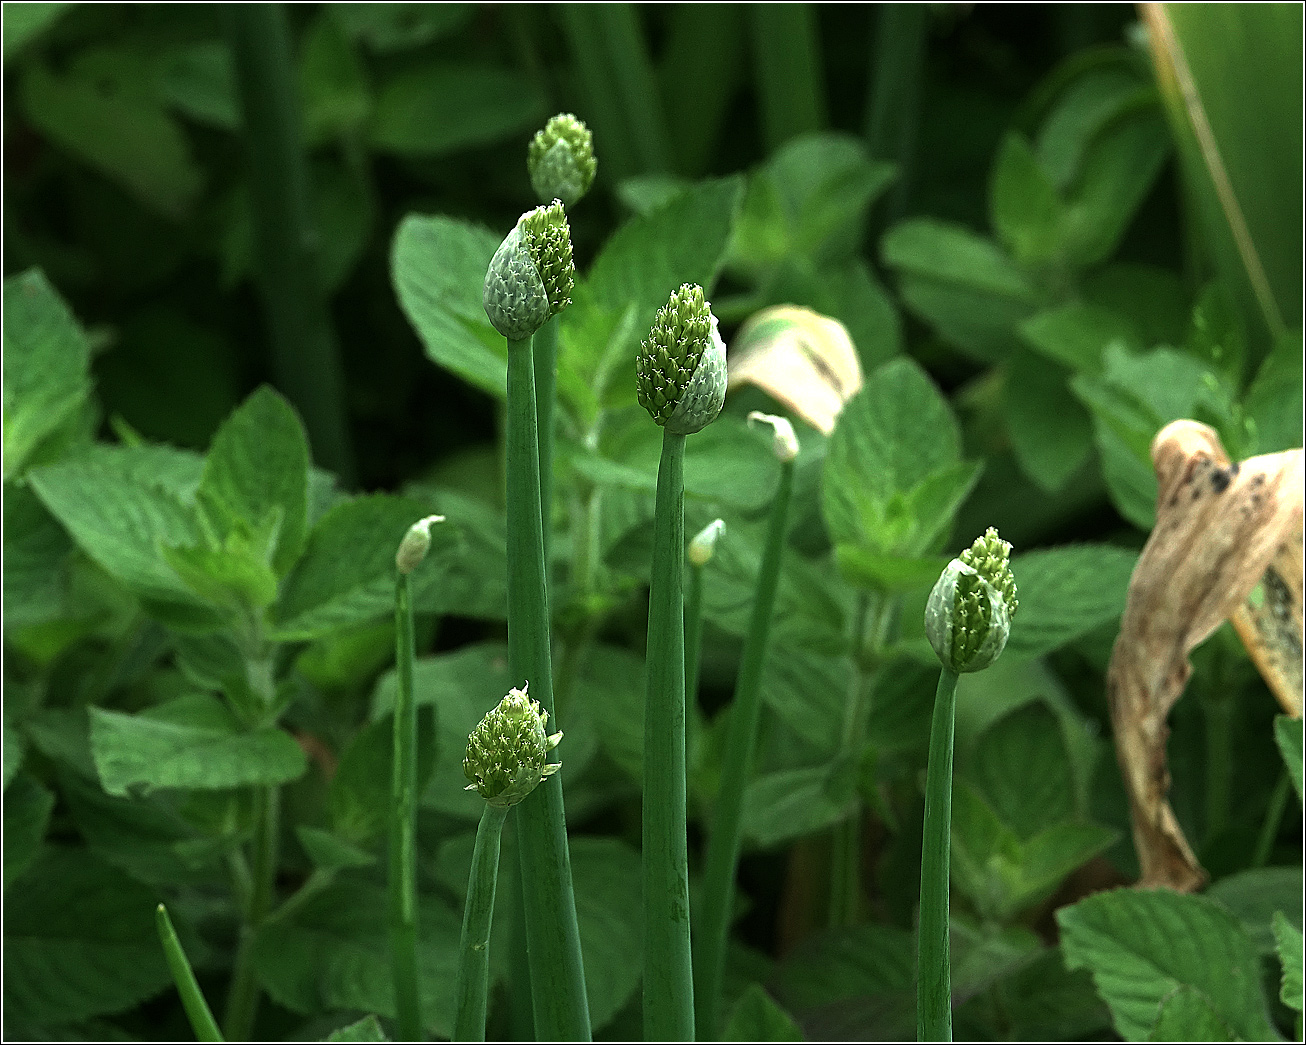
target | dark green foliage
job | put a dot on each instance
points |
(1036, 276)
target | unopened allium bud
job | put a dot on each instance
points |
(681, 367)
(968, 616)
(785, 442)
(416, 543)
(704, 543)
(561, 161)
(507, 753)
(531, 275)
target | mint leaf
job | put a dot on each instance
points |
(26, 815)
(1077, 335)
(1051, 433)
(191, 742)
(1066, 592)
(758, 1017)
(346, 575)
(79, 941)
(960, 284)
(1288, 735)
(1021, 767)
(1255, 895)
(1144, 945)
(36, 553)
(359, 797)
(257, 467)
(1288, 943)
(435, 108)
(438, 268)
(790, 803)
(366, 1029)
(1187, 1016)
(1024, 208)
(46, 364)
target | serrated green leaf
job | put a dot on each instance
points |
(1024, 208)
(1144, 945)
(366, 1029)
(191, 742)
(46, 365)
(893, 476)
(359, 800)
(962, 285)
(346, 575)
(27, 806)
(1255, 895)
(1051, 432)
(121, 508)
(1274, 401)
(1077, 335)
(791, 803)
(1186, 1016)
(758, 1017)
(436, 108)
(1288, 735)
(257, 465)
(79, 941)
(608, 914)
(334, 953)
(36, 553)
(1066, 592)
(1020, 766)
(330, 852)
(865, 961)
(438, 268)
(109, 123)
(1288, 943)
(893, 574)
(808, 691)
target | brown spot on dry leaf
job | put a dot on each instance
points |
(1223, 532)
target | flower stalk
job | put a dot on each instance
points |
(699, 554)
(680, 381)
(745, 713)
(192, 998)
(967, 620)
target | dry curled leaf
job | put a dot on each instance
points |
(801, 358)
(1221, 531)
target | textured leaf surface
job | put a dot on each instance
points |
(1288, 943)
(46, 362)
(79, 941)
(1142, 946)
(1288, 735)
(1066, 592)
(758, 1017)
(191, 742)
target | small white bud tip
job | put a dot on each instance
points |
(416, 543)
(785, 443)
(704, 543)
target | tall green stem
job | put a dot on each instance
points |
(693, 630)
(192, 998)
(745, 714)
(243, 995)
(893, 109)
(1270, 825)
(305, 358)
(668, 967)
(474, 950)
(787, 53)
(403, 825)
(934, 979)
(546, 383)
(552, 936)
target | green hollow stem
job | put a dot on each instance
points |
(693, 631)
(933, 978)
(305, 356)
(787, 56)
(603, 107)
(192, 998)
(403, 824)
(552, 936)
(1273, 817)
(741, 738)
(893, 109)
(243, 994)
(635, 82)
(668, 965)
(546, 383)
(474, 950)
(520, 1010)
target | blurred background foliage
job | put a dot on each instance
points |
(1024, 200)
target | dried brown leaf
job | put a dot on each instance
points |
(1219, 528)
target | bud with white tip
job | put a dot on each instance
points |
(785, 442)
(704, 543)
(507, 753)
(416, 543)
(968, 616)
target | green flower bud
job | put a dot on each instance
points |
(531, 274)
(561, 160)
(416, 543)
(681, 367)
(968, 616)
(784, 442)
(507, 753)
(704, 543)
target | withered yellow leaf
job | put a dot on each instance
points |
(1221, 529)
